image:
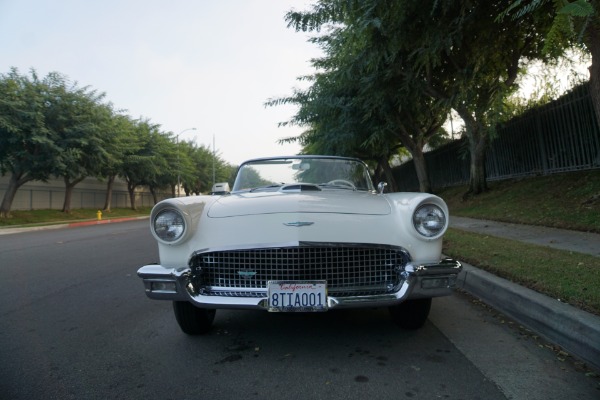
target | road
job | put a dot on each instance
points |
(75, 324)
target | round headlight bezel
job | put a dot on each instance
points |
(430, 220)
(169, 225)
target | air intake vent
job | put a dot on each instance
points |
(301, 187)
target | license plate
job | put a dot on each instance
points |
(297, 296)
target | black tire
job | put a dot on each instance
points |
(411, 314)
(193, 320)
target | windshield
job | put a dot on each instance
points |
(326, 172)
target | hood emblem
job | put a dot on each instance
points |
(298, 224)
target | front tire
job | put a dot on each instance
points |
(193, 320)
(411, 314)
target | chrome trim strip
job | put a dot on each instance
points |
(444, 266)
(302, 243)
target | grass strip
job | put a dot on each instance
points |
(569, 201)
(571, 277)
(47, 217)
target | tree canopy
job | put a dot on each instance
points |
(399, 66)
(573, 23)
(53, 128)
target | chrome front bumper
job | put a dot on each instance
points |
(420, 280)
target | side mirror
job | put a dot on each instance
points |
(381, 187)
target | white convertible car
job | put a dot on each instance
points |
(300, 234)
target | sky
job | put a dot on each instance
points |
(204, 64)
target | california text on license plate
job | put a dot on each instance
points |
(302, 296)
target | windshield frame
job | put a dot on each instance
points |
(274, 185)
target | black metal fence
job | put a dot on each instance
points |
(561, 136)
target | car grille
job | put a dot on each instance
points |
(349, 270)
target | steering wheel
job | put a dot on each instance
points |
(342, 182)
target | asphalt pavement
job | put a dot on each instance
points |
(576, 331)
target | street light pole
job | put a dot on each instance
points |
(213, 160)
(178, 165)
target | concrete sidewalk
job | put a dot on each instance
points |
(581, 242)
(576, 331)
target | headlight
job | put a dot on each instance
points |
(169, 225)
(429, 220)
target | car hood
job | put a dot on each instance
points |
(330, 201)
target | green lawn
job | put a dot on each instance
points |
(46, 217)
(568, 200)
(573, 278)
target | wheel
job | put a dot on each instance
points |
(342, 182)
(411, 314)
(193, 320)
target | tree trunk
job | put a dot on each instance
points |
(414, 144)
(478, 144)
(593, 44)
(109, 190)
(131, 189)
(478, 139)
(69, 186)
(14, 183)
(477, 179)
(421, 169)
(153, 193)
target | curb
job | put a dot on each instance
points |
(576, 331)
(19, 229)
(103, 221)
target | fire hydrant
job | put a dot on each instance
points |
(99, 215)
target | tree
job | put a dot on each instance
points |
(119, 142)
(197, 176)
(139, 160)
(223, 171)
(454, 52)
(544, 82)
(458, 54)
(187, 167)
(337, 124)
(358, 105)
(52, 127)
(28, 150)
(78, 120)
(166, 163)
(411, 118)
(470, 61)
(572, 23)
